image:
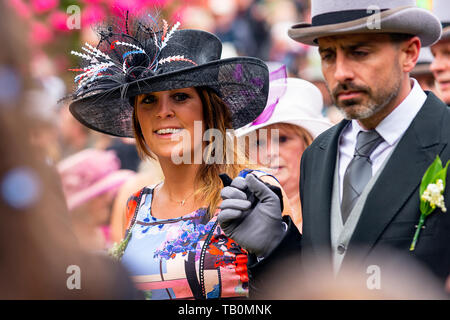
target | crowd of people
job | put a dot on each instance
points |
(236, 149)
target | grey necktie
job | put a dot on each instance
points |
(359, 170)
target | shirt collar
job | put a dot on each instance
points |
(397, 122)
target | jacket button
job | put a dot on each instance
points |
(341, 249)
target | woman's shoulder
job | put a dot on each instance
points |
(143, 190)
(134, 201)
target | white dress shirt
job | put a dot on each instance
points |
(390, 128)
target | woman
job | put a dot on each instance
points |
(277, 140)
(181, 100)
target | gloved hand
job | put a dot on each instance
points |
(256, 226)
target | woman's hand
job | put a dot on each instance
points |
(256, 226)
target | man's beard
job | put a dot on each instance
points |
(376, 101)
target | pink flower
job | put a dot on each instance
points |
(40, 33)
(58, 20)
(91, 15)
(157, 3)
(92, 2)
(21, 8)
(179, 14)
(121, 6)
(40, 6)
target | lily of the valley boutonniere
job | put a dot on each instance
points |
(431, 194)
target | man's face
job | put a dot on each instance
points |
(362, 72)
(441, 68)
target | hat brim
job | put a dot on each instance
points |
(241, 82)
(314, 126)
(407, 20)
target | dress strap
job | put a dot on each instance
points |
(132, 208)
(134, 202)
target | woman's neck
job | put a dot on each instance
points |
(175, 197)
(292, 190)
(294, 201)
(179, 180)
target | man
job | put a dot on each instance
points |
(441, 51)
(359, 181)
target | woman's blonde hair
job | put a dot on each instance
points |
(215, 116)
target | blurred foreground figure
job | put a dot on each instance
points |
(376, 279)
(40, 255)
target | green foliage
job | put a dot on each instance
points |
(434, 172)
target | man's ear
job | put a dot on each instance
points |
(410, 50)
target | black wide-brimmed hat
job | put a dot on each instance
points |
(142, 57)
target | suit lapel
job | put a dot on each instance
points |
(322, 185)
(402, 175)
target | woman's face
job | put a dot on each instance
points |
(284, 160)
(167, 121)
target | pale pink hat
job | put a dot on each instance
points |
(90, 173)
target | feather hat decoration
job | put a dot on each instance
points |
(142, 55)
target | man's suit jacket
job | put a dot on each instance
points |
(391, 211)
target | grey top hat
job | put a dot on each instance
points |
(441, 8)
(335, 17)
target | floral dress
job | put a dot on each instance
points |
(183, 258)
